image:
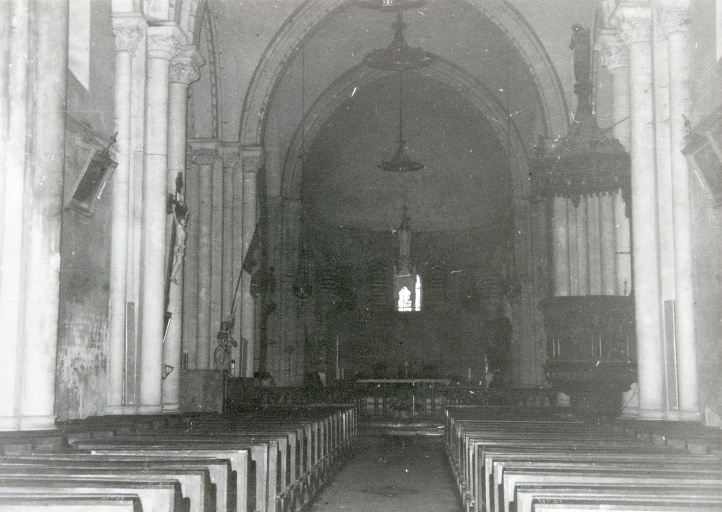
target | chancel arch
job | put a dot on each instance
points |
(514, 144)
(308, 17)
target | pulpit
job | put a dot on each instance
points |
(591, 349)
(589, 316)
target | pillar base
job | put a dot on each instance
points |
(150, 409)
(563, 400)
(170, 408)
(651, 414)
(114, 410)
(688, 416)
(9, 423)
(121, 410)
(630, 412)
(36, 422)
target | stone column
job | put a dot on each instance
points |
(614, 57)
(560, 246)
(251, 162)
(183, 71)
(163, 43)
(37, 400)
(582, 247)
(4, 101)
(674, 25)
(636, 31)
(288, 308)
(128, 32)
(573, 248)
(204, 155)
(608, 244)
(238, 253)
(665, 218)
(13, 172)
(231, 158)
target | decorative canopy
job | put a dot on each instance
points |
(585, 162)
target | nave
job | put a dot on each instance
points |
(321, 458)
(390, 474)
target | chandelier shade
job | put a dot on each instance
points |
(398, 56)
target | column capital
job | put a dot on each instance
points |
(612, 52)
(672, 20)
(185, 67)
(164, 41)
(252, 159)
(128, 31)
(231, 155)
(203, 156)
(636, 25)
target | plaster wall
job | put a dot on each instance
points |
(85, 240)
(705, 83)
(706, 96)
(706, 238)
(245, 29)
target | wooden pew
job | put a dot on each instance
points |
(268, 451)
(291, 450)
(514, 477)
(26, 442)
(220, 472)
(319, 439)
(63, 502)
(492, 460)
(622, 505)
(477, 446)
(471, 467)
(263, 452)
(239, 459)
(608, 467)
(526, 494)
(196, 484)
(155, 496)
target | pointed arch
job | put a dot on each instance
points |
(306, 19)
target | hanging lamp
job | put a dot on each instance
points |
(398, 56)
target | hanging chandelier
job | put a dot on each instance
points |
(398, 56)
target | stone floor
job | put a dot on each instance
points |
(390, 474)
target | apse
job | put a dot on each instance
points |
(465, 181)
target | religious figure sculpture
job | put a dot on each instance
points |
(581, 45)
(180, 222)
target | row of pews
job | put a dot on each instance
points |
(271, 460)
(514, 459)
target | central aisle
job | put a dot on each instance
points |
(390, 474)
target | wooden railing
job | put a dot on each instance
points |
(391, 398)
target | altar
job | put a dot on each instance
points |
(402, 398)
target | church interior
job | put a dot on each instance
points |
(297, 224)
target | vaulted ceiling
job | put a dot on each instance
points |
(466, 181)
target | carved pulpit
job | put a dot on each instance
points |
(590, 337)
